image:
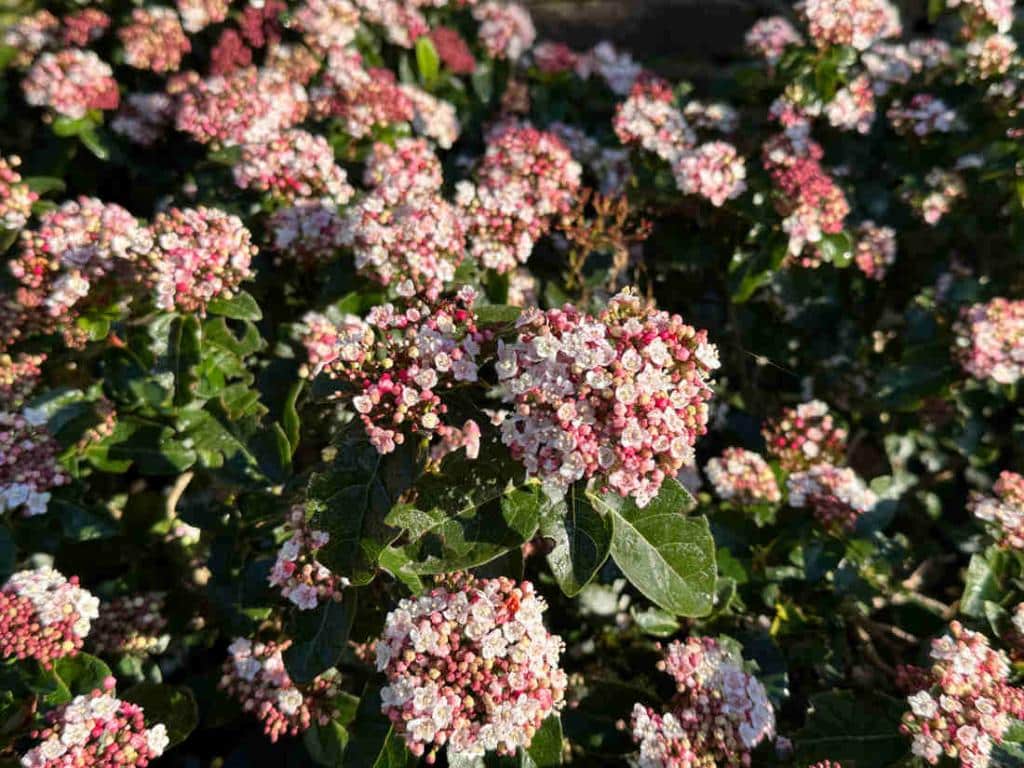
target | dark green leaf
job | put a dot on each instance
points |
(546, 748)
(580, 536)
(81, 673)
(173, 705)
(320, 636)
(242, 306)
(860, 730)
(184, 351)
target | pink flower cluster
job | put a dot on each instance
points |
(326, 24)
(308, 233)
(711, 116)
(199, 254)
(743, 477)
(397, 379)
(526, 178)
(506, 30)
(713, 170)
(1004, 511)
(650, 119)
(922, 116)
(990, 340)
(301, 579)
(197, 15)
(98, 731)
(769, 38)
(836, 496)
(294, 164)
(805, 435)
(70, 83)
(891, 64)
(16, 199)
(453, 50)
(154, 40)
(361, 98)
(408, 169)
(942, 189)
(29, 468)
(718, 715)
(44, 616)
(131, 625)
(470, 666)
(853, 106)
(991, 56)
(966, 704)
(875, 250)
(326, 341)
(985, 13)
(858, 23)
(618, 69)
(85, 26)
(811, 202)
(433, 117)
(18, 378)
(29, 35)
(254, 674)
(622, 396)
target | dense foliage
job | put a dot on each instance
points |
(382, 386)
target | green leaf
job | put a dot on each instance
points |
(82, 673)
(184, 351)
(669, 557)
(320, 637)
(273, 452)
(982, 583)
(242, 306)
(546, 748)
(373, 742)
(290, 420)
(581, 539)
(859, 730)
(92, 141)
(151, 448)
(8, 552)
(66, 126)
(427, 62)
(837, 248)
(656, 622)
(482, 80)
(326, 743)
(173, 705)
(497, 314)
(41, 185)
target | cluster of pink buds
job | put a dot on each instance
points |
(361, 98)
(617, 68)
(97, 731)
(506, 30)
(743, 477)
(144, 117)
(453, 50)
(326, 341)
(29, 468)
(44, 616)
(966, 703)
(470, 665)
(154, 40)
(326, 24)
(858, 23)
(714, 170)
(199, 254)
(836, 495)
(552, 57)
(853, 106)
(990, 340)
(407, 170)
(18, 378)
(16, 199)
(295, 164)
(811, 202)
(1004, 511)
(248, 105)
(650, 119)
(70, 83)
(84, 26)
(415, 247)
(308, 233)
(29, 35)
(301, 579)
(254, 674)
(942, 188)
(805, 435)
(197, 15)
(401, 21)
(526, 178)
(991, 56)
(769, 38)
(131, 625)
(986, 13)
(718, 715)
(875, 250)
(922, 116)
(623, 396)
(433, 117)
(295, 62)
(397, 380)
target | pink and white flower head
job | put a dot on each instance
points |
(433, 117)
(296, 62)
(144, 117)
(255, 675)
(622, 396)
(31, 34)
(29, 468)
(19, 375)
(349, 340)
(805, 435)
(553, 57)
(718, 715)
(292, 165)
(715, 171)
(70, 83)
(990, 340)
(650, 119)
(617, 68)
(249, 105)
(396, 382)
(769, 38)
(363, 99)
(711, 116)
(922, 116)
(941, 189)
(154, 40)
(44, 616)
(743, 477)
(97, 730)
(853, 106)
(199, 254)
(131, 625)
(297, 573)
(991, 56)
(197, 15)
(470, 665)
(403, 171)
(857, 23)
(836, 496)
(414, 247)
(84, 27)
(308, 233)
(326, 24)
(965, 702)
(16, 198)
(875, 250)
(506, 30)
(986, 13)
(1003, 512)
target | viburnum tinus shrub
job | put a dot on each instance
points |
(384, 384)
